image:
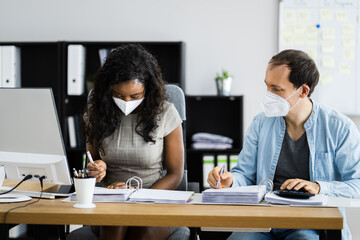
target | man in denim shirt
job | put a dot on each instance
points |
(297, 143)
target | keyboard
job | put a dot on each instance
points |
(46, 195)
(43, 195)
(294, 194)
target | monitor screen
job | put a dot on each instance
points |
(30, 136)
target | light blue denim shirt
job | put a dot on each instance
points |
(334, 144)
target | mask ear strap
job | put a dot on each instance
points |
(295, 92)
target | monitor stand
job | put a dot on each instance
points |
(13, 197)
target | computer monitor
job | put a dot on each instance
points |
(30, 136)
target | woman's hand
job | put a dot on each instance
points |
(97, 170)
(297, 184)
(117, 185)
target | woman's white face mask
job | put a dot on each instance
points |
(127, 107)
(276, 106)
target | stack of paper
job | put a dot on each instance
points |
(138, 195)
(161, 196)
(107, 195)
(243, 194)
(317, 200)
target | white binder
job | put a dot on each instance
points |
(10, 75)
(72, 134)
(208, 165)
(76, 69)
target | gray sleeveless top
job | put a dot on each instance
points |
(126, 154)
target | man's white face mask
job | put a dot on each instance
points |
(127, 107)
(276, 106)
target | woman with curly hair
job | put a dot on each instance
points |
(130, 127)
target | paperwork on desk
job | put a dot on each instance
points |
(243, 194)
(317, 200)
(137, 195)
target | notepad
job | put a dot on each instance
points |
(242, 194)
(317, 200)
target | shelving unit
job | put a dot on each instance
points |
(221, 115)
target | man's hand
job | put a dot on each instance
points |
(214, 176)
(297, 184)
(97, 170)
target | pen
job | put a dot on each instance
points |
(84, 164)
(90, 157)
(221, 172)
(75, 173)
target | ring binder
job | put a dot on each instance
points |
(268, 181)
(137, 179)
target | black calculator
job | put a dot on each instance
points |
(294, 194)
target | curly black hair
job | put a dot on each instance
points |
(127, 62)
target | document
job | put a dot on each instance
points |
(242, 194)
(102, 194)
(161, 196)
(317, 200)
(138, 195)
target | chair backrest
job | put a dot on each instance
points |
(176, 96)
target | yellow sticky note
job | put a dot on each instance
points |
(287, 40)
(327, 46)
(325, 78)
(290, 16)
(303, 15)
(348, 29)
(312, 53)
(300, 40)
(341, 15)
(328, 61)
(312, 39)
(348, 41)
(345, 68)
(348, 54)
(326, 14)
(327, 34)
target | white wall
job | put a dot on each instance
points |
(237, 35)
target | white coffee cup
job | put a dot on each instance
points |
(2, 175)
(84, 188)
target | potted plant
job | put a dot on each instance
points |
(223, 83)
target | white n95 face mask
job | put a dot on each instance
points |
(127, 107)
(276, 106)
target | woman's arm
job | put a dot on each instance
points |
(174, 157)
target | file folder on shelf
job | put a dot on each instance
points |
(72, 133)
(222, 161)
(76, 70)
(233, 161)
(10, 64)
(208, 164)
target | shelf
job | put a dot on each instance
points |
(232, 150)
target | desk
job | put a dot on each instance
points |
(134, 214)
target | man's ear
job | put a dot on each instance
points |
(305, 91)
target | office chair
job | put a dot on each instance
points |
(175, 96)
